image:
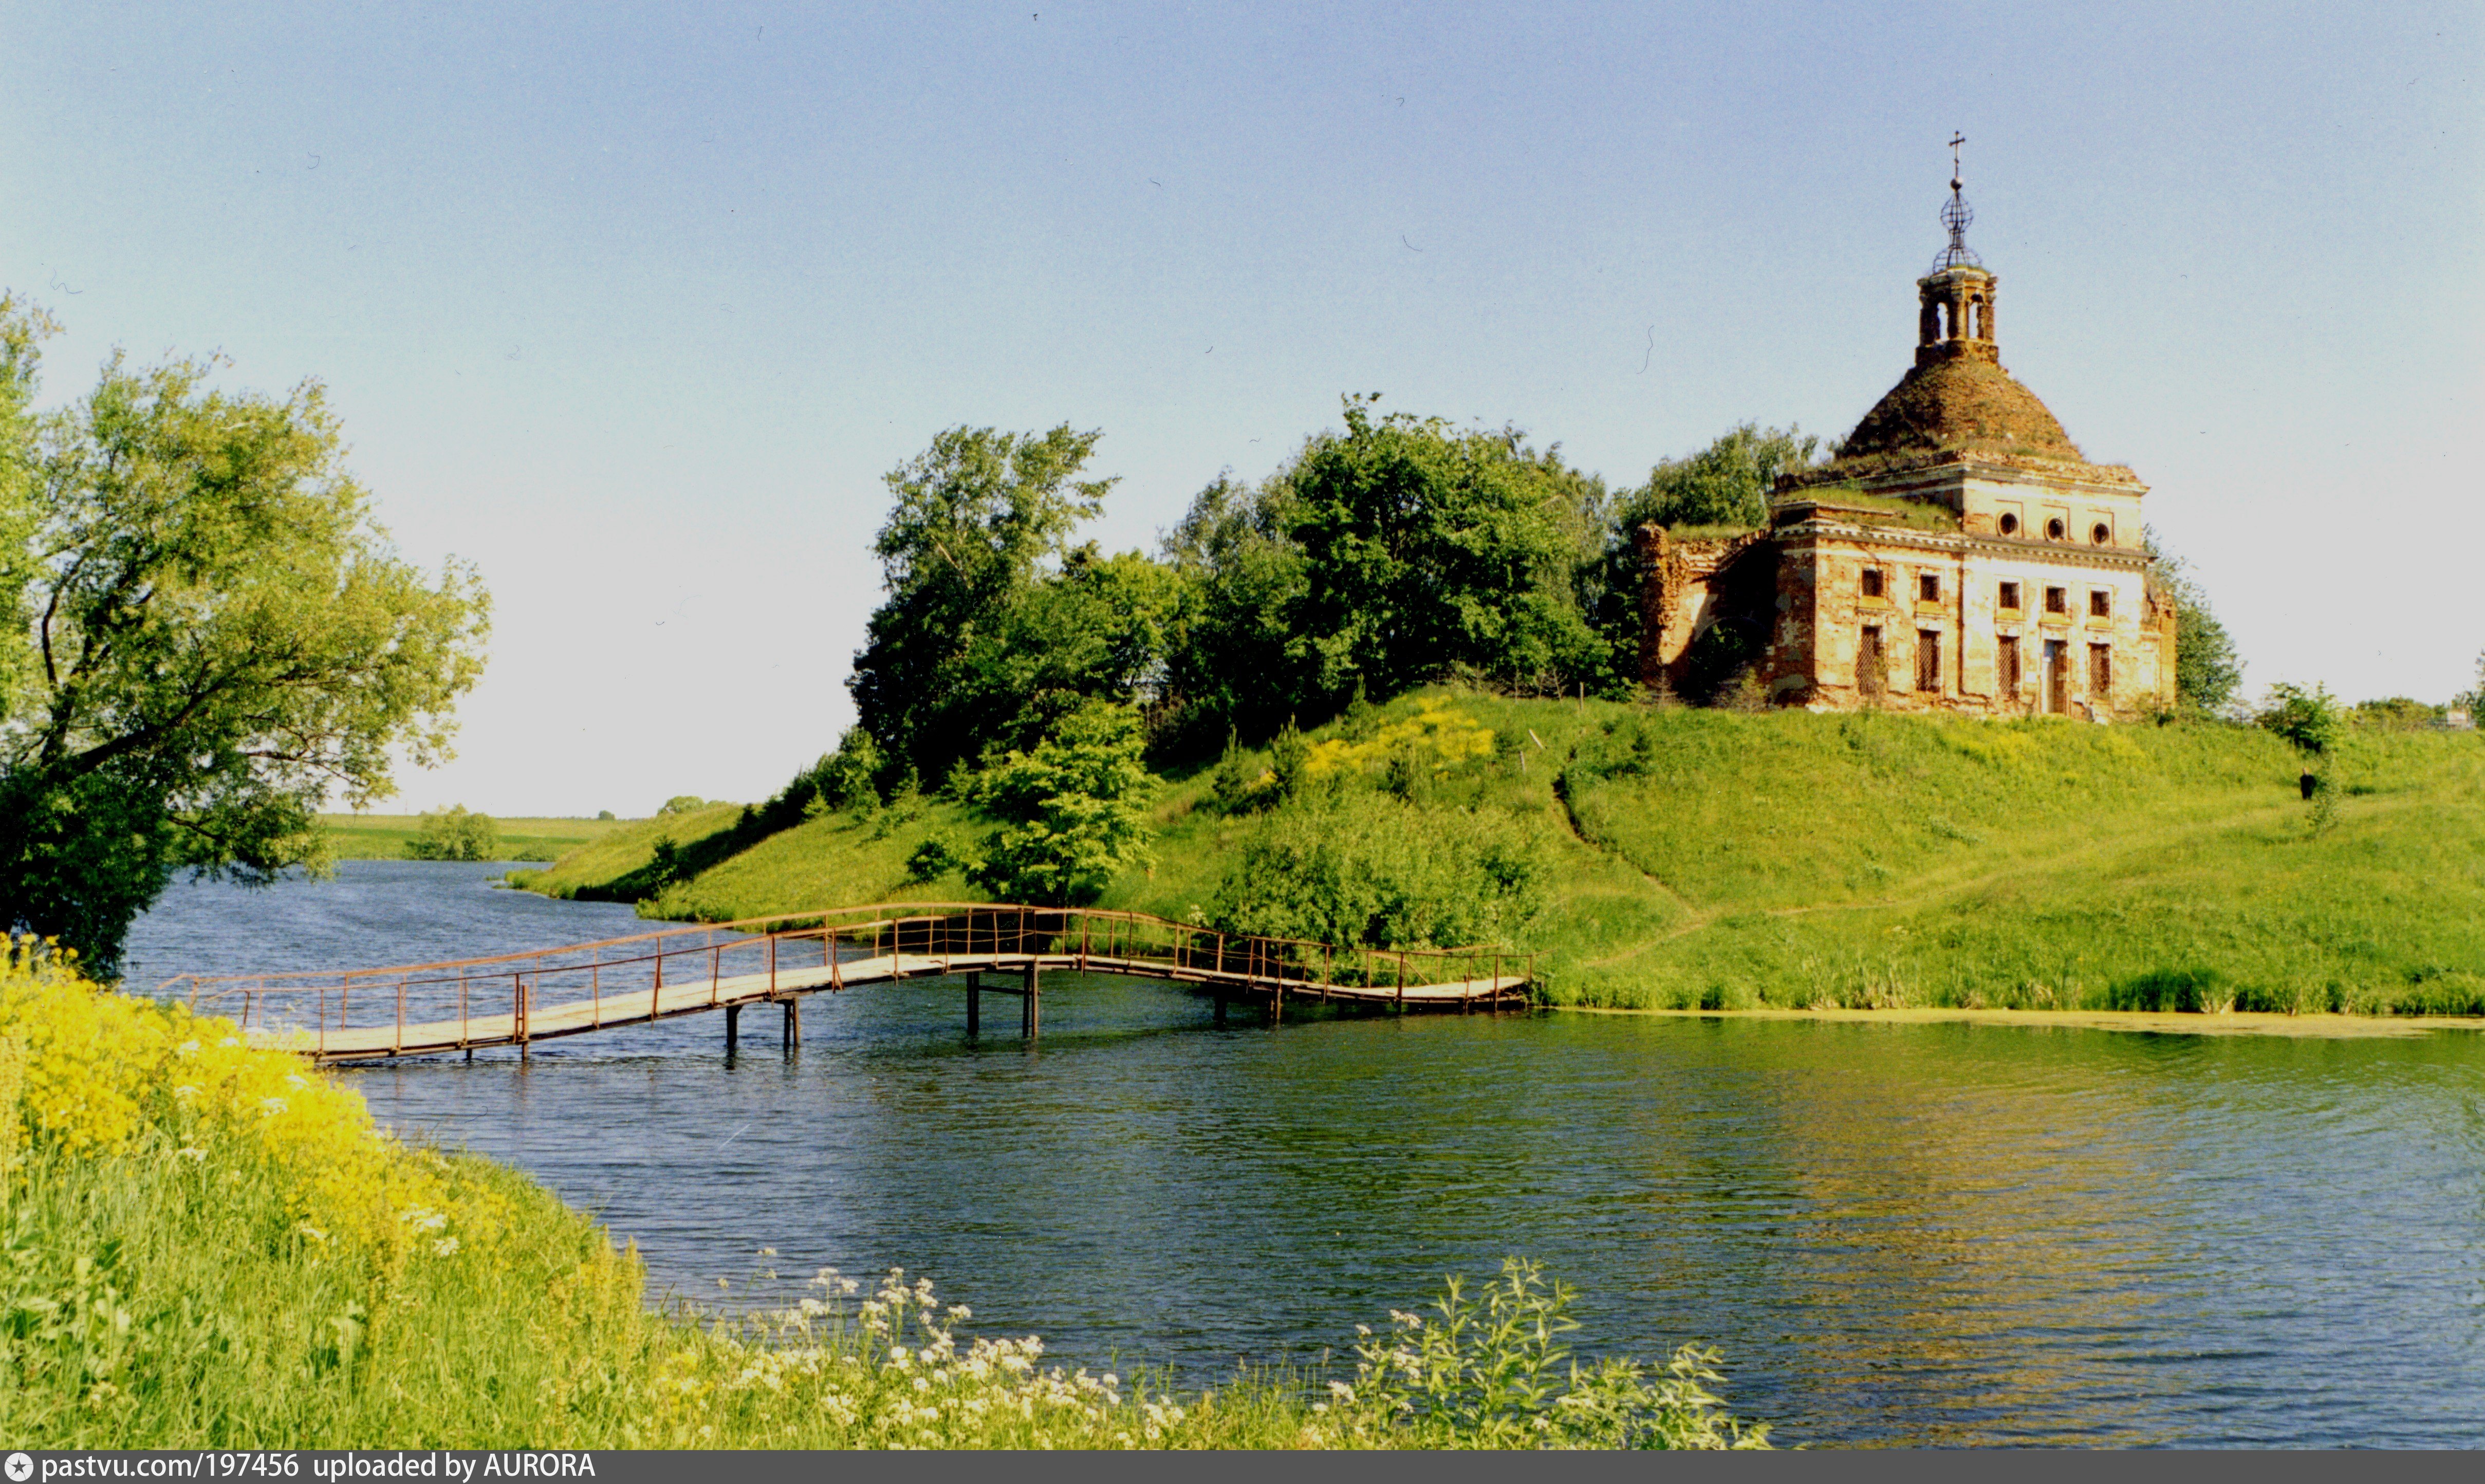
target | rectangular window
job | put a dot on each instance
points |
(2100, 673)
(2011, 596)
(1929, 586)
(2008, 665)
(1872, 666)
(2057, 600)
(1871, 582)
(1929, 661)
(2100, 603)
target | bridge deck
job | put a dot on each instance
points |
(517, 999)
(692, 997)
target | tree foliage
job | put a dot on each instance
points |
(1424, 551)
(977, 515)
(453, 833)
(1075, 808)
(217, 638)
(2209, 673)
(2312, 719)
(1726, 483)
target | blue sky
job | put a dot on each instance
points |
(634, 305)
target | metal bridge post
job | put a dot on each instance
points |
(732, 1028)
(975, 1005)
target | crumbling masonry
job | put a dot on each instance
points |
(1957, 555)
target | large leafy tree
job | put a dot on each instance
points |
(1426, 550)
(1093, 631)
(214, 638)
(2208, 671)
(1232, 662)
(978, 515)
(1725, 485)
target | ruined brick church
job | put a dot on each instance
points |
(1957, 554)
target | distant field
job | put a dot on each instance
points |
(384, 836)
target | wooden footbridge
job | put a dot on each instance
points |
(519, 998)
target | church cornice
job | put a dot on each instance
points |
(1958, 543)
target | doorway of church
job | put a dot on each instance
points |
(2058, 676)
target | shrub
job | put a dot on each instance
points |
(2309, 719)
(933, 860)
(1370, 871)
(1077, 808)
(454, 834)
(2193, 991)
(1496, 1374)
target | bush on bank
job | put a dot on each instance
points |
(205, 1243)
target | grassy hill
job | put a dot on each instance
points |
(384, 836)
(1707, 858)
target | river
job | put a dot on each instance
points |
(1899, 1233)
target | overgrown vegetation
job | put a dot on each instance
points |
(209, 1245)
(1675, 857)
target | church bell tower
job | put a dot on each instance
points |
(1955, 317)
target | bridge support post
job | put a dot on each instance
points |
(732, 1028)
(1030, 1018)
(975, 1005)
(793, 1031)
(1219, 996)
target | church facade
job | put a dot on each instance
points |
(1959, 555)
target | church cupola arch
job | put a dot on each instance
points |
(1954, 315)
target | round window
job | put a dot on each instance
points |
(2100, 534)
(2054, 530)
(2010, 525)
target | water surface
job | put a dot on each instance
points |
(1920, 1233)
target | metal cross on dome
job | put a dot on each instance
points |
(1956, 215)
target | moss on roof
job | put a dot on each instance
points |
(1963, 402)
(1881, 510)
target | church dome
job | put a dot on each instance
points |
(1960, 402)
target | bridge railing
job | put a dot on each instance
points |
(670, 971)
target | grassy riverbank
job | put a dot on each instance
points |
(385, 836)
(210, 1246)
(1707, 858)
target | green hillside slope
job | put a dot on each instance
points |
(1710, 859)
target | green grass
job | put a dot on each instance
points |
(384, 836)
(1705, 859)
